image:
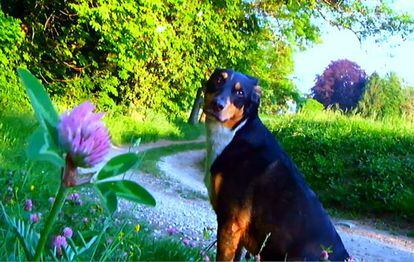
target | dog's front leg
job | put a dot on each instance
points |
(228, 240)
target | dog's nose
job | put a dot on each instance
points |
(218, 105)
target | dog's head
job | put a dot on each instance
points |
(231, 97)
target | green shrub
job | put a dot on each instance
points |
(383, 97)
(352, 163)
(12, 95)
(311, 105)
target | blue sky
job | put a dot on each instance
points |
(394, 55)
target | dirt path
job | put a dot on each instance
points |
(182, 204)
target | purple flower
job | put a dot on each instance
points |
(59, 242)
(85, 220)
(172, 230)
(28, 205)
(51, 200)
(186, 241)
(35, 217)
(74, 196)
(78, 202)
(324, 255)
(67, 232)
(83, 135)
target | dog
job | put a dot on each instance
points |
(261, 199)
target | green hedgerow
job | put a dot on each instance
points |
(351, 162)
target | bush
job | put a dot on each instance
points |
(311, 105)
(352, 163)
(11, 41)
(383, 97)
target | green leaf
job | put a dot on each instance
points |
(41, 148)
(118, 165)
(109, 198)
(42, 105)
(25, 233)
(126, 189)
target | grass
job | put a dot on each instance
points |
(127, 129)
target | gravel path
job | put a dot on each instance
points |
(182, 203)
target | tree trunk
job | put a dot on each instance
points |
(198, 101)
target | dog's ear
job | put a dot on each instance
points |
(256, 94)
(257, 90)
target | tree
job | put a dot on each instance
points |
(341, 83)
(383, 97)
(154, 54)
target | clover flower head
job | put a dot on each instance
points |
(83, 135)
(67, 232)
(186, 241)
(35, 217)
(28, 205)
(172, 230)
(59, 242)
(74, 196)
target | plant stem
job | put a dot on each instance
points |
(57, 206)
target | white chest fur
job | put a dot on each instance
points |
(218, 137)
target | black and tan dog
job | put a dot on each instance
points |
(255, 189)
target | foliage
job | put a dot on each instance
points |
(273, 62)
(156, 54)
(383, 97)
(311, 105)
(44, 145)
(126, 129)
(11, 55)
(341, 83)
(296, 21)
(408, 105)
(352, 163)
(114, 239)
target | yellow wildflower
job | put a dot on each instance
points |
(137, 227)
(32, 187)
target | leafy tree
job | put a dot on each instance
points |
(156, 54)
(273, 62)
(11, 55)
(383, 97)
(341, 83)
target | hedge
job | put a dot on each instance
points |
(351, 162)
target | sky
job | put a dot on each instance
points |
(372, 57)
